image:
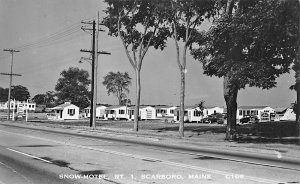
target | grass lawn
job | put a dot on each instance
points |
(260, 132)
(263, 129)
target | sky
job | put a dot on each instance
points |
(49, 38)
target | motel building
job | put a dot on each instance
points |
(165, 111)
(18, 106)
(264, 113)
(100, 111)
(145, 113)
(212, 110)
(116, 112)
(66, 111)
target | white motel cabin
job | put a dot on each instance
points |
(100, 111)
(212, 110)
(66, 111)
(165, 111)
(285, 114)
(116, 112)
(145, 113)
(262, 112)
(18, 106)
(191, 114)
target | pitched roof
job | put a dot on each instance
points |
(89, 107)
(115, 107)
(62, 106)
(280, 109)
(144, 106)
(141, 107)
(252, 107)
(164, 106)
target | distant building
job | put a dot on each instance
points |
(145, 113)
(283, 114)
(66, 111)
(212, 110)
(191, 114)
(18, 106)
(262, 112)
(165, 111)
(116, 112)
(100, 111)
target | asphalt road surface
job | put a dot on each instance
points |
(37, 157)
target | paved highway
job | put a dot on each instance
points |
(32, 156)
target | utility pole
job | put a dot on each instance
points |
(12, 51)
(95, 53)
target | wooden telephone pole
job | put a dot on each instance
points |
(95, 53)
(12, 51)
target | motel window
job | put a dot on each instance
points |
(172, 111)
(240, 112)
(121, 111)
(29, 106)
(197, 113)
(71, 112)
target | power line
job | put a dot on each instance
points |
(49, 40)
(65, 32)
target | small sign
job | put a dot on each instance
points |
(264, 116)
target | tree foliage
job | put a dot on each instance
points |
(255, 45)
(20, 93)
(117, 84)
(3, 94)
(73, 86)
(250, 43)
(182, 20)
(139, 26)
(49, 99)
(39, 99)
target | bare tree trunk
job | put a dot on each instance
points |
(138, 96)
(120, 99)
(297, 86)
(230, 95)
(182, 95)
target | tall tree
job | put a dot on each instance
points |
(117, 84)
(39, 99)
(249, 44)
(20, 93)
(200, 105)
(73, 86)
(138, 26)
(51, 99)
(184, 18)
(295, 8)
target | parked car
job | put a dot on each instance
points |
(249, 119)
(214, 118)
